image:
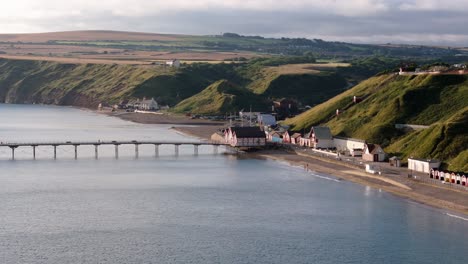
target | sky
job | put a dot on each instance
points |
(430, 22)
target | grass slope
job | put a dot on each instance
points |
(438, 101)
(219, 98)
(68, 84)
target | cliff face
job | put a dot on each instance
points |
(69, 84)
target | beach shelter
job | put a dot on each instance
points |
(453, 177)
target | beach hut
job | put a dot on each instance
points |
(453, 177)
(432, 174)
(305, 142)
(441, 175)
(463, 179)
(287, 137)
(458, 178)
(436, 174)
(296, 138)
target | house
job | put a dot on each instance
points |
(373, 152)
(245, 137)
(276, 136)
(296, 138)
(287, 137)
(422, 165)
(266, 120)
(286, 105)
(148, 105)
(306, 140)
(173, 63)
(321, 138)
(133, 104)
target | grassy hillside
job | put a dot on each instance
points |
(441, 140)
(219, 98)
(68, 84)
(23, 81)
(438, 101)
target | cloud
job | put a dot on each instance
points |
(375, 21)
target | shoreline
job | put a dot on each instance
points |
(430, 195)
(412, 191)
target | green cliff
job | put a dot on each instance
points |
(438, 101)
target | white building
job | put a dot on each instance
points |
(350, 146)
(423, 165)
(173, 63)
(148, 105)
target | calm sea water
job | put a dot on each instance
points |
(187, 209)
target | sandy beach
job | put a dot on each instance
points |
(162, 119)
(436, 196)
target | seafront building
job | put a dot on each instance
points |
(423, 165)
(248, 137)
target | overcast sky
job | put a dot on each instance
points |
(362, 21)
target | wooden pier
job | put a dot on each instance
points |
(14, 145)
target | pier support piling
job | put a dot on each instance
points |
(176, 149)
(156, 150)
(136, 151)
(96, 154)
(55, 152)
(76, 151)
(13, 152)
(195, 150)
(34, 152)
(116, 151)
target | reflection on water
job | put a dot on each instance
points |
(187, 209)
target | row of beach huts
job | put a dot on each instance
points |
(450, 177)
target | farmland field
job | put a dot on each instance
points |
(305, 68)
(111, 47)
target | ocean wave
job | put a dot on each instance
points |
(456, 216)
(325, 178)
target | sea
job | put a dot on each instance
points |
(206, 208)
